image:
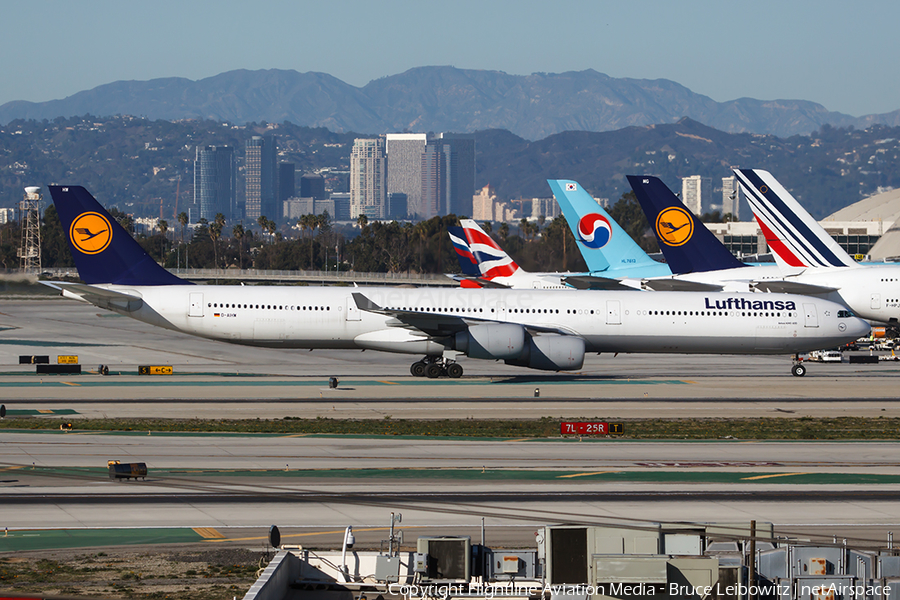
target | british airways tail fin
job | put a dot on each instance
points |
(467, 262)
(603, 243)
(689, 247)
(794, 237)
(491, 259)
(103, 251)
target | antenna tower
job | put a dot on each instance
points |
(30, 218)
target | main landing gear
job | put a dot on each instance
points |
(435, 366)
(798, 369)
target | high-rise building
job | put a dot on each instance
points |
(260, 172)
(732, 197)
(214, 183)
(367, 178)
(483, 204)
(287, 185)
(397, 207)
(404, 167)
(448, 175)
(696, 193)
(312, 186)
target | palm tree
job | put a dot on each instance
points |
(504, 231)
(312, 224)
(487, 226)
(238, 232)
(215, 232)
(362, 221)
(163, 228)
(183, 221)
(304, 223)
(263, 223)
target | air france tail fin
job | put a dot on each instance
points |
(103, 251)
(603, 243)
(492, 260)
(794, 237)
(689, 247)
(467, 262)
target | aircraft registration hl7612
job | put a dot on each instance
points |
(531, 328)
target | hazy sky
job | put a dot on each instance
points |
(841, 54)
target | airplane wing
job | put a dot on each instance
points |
(97, 296)
(593, 282)
(792, 287)
(438, 325)
(679, 285)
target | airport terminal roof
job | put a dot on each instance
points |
(880, 207)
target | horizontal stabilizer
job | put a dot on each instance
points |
(102, 297)
(592, 282)
(679, 285)
(792, 287)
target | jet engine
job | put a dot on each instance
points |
(551, 353)
(492, 341)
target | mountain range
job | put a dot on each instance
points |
(441, 98)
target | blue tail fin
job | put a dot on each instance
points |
(689, 247)
(467, 262)
(103, 251)
(604, 245)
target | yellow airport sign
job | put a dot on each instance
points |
(66, 360)
(154, 370)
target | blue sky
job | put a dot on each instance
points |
(843, 55)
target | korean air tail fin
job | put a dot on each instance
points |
(689, 247)
(603, 243)
(103, 251)
(794, 237)
(491, 259)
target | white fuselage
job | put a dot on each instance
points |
(608, 321)
(871, 292)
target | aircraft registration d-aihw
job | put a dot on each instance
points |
(530, 328)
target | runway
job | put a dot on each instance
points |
(240, 484)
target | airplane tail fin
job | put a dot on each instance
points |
(603, 243)
(689, 247)
(103, 251)
(794, 237)
(467, 262)
(491, 259)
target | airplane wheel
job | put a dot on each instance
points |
(417, 369)
(454, 370)
(433, 371)
(798, 370)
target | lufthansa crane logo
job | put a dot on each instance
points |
(674, 226)
(90, 233)
(594, 230)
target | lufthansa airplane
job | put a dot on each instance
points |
(823, 269)
(531, 328)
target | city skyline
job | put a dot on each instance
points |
(828, 52)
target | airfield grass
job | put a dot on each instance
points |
(782, 428)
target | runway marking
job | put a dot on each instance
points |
(387, 382)
(45, 411)
(295, 535)
(585, 474)
(208, 533)
(297, 435)
(519, 440)
(774, 475)
(70, 383)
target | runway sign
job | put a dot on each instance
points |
(589, 428)
(158, 370)
(66, 360)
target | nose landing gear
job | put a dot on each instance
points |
(798, 369)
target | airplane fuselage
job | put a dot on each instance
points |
(608, 321)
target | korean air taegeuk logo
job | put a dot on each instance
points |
(674, 226)
(90, 233)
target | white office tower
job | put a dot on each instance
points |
(731, 197)
(404, 167)
(367, 178)
(696, 193)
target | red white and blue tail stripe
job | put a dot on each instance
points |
(794, 237)
(492, 261)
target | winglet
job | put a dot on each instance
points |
(363, 303)
(103, 251)
(689, 247)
